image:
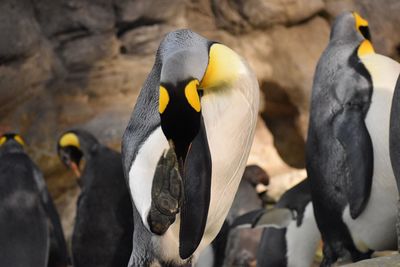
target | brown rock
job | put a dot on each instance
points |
(145, 12)
(296, 50)
(388, 261)
(144, 40)
(243, 15)
(20, 33)
(71, 19)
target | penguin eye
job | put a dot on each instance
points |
(192, 95)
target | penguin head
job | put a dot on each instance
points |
(69, 151)
(186, 75)
(179, 97)
(12, 139)
(350, 26)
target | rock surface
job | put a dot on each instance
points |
(388, 261)
(74, 63)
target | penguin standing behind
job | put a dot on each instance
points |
(27, 212)
(103, 228)
(186, 147)
(296, 244)
(286, 240)
(352, 184)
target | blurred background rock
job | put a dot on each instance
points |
(81, 63)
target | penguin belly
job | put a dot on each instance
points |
(375, 228)
(302, 241)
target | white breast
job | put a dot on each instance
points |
(375, 227)
(230, 116)
(302, 241)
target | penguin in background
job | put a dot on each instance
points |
(291, 235)
(102, 234)
(186, 146)
(353, 188)
(394, 139)
(28, 215)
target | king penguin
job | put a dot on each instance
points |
(27, 212)
(102, 235)
(353, 187)
(186, 146)
(296, 244)
(291, 235)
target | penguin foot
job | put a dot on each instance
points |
(166, 193)
(330, 256)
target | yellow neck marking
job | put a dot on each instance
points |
(223, 67)
(163, 99)
(192, 95)
(365, 48)
(19, 139)
(3, 139)
(69, 139)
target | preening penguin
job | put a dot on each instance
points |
(103, 228)
(27, 212)
(352, 183)
(186, 146)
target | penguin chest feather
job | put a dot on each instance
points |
(230, 117)
(375, 227)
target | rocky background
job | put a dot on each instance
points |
(81, 63)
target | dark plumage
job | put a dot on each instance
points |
(26, 210)
(104, 225)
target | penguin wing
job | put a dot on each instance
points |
(296, 199)
(351, 132)
(52, 215)
(395, 132)
(275, 217)
(197, 193)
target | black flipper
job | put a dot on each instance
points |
(197, 191)
(352, 133)
(394, 135)
(63, 258)
(248, 220)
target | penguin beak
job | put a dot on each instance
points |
(75, 168)
(69, 160)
